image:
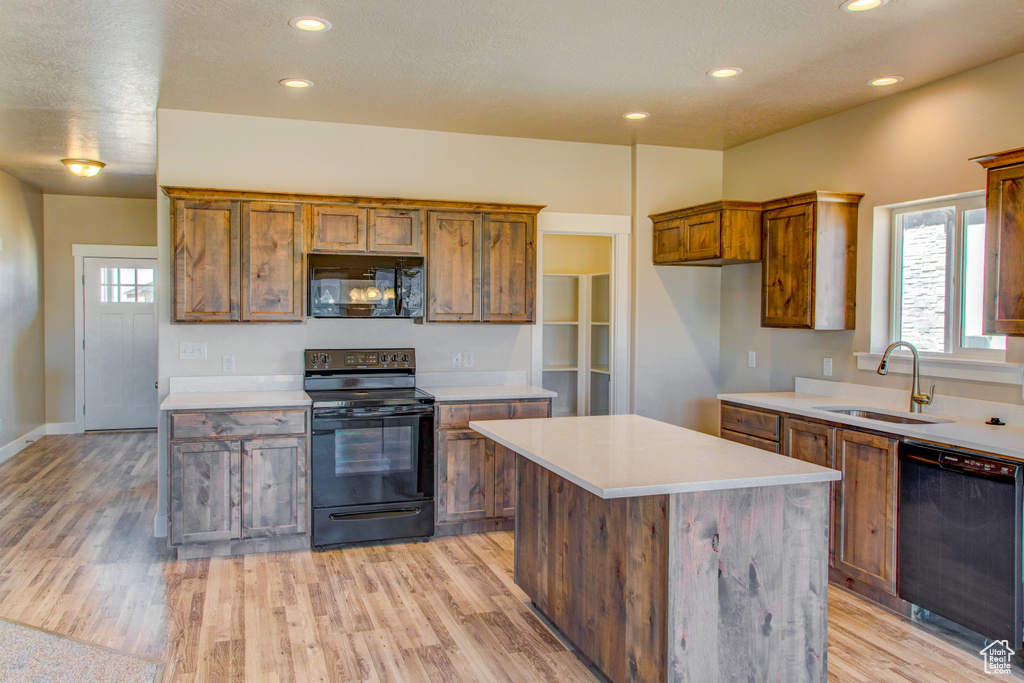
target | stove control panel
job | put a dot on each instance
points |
(360, 359)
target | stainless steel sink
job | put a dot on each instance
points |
(874, 414)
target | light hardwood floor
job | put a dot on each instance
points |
(77, 557)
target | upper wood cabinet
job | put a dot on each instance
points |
(346, 229)
(338, 228)
(206, 260)
(809, 252)
(483, 267)
(1004, 243)
(714, 234)
(395, 231)
(272, 273)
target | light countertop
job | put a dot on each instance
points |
(963, 431)
(488, 392)
(217, 400)
(623, 456)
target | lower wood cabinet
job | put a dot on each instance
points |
(476, 477)
(865, 508)
(250, 484)
(815, 443)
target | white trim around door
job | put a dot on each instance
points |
(81, 252)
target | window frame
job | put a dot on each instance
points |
(960, 203)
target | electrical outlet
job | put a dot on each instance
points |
(228, 362)
(827, 367)
(456, 359)
(752, 359)
(191, 350)
(467, 359)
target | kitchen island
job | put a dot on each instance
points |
(667, 554)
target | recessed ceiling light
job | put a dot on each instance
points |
(634, 115)
(309, 24)
(861, 5)
(725, 72)
(85, 168)
(296, 83)
(885, 80)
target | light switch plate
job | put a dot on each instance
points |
(468, 359)
(228, 362)
(191, 350)
(752, 359)
(827, 367)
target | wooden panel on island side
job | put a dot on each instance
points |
(707, 586)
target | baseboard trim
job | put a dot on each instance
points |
(18, 445)
(61, 428)
(160, 525)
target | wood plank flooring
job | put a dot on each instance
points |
(77, 557)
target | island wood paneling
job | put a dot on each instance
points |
(748, 599)
(597, 569)
(206, 260)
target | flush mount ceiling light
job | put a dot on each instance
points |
(636, 115)
(86, 168)
(885, 80)
(296, 83)
(310, 24)
(725, 72)
(861, 5)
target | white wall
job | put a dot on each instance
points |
(21, 312)
(675, 308)
(908, 146)
(250, 153)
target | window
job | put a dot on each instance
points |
(938, 277)
(126, 285)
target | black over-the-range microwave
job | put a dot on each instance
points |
(360, 286)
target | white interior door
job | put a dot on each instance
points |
(120, 343)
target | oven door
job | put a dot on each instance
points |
(378, 455)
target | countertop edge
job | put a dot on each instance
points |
(487, 392)
(199, 400)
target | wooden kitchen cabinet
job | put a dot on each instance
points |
(476, 477)
(238, 480)
(751, 427)
(809, 261)
(815, 443)
(866, 508)
(207, 281)
(714, 234)
(272, 262)
(483, 267)
(346, 229)
(395, 231)
(338, 229)
(1004, 243)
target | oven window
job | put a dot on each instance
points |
(374, 450)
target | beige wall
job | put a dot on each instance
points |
(675, 336)
(80, 220)
(908, 146)
(584, 254)
(21, 309)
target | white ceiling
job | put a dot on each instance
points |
(84, 77)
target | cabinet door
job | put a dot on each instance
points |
(504, 480)
(667, 243)
(465, 476)
(205, 490)
(271, 262)
(338, 228)
(453, 271)
(702, 236)
(865, 509)
(206, 261)
(508, 268)
(395, 231)
(814, 443)
(787, 289)
(1004, 249)
(273, 487)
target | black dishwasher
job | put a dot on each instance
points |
(960, 538)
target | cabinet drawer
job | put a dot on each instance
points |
(237, 423)
(747, 440)
(750, 421)
(459, 415)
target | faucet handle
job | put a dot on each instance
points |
(925, 399)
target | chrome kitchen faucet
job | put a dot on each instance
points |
(917, 399)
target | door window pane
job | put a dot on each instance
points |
(144, 276)
(127, 276)
(127, 285)
(923, 270)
